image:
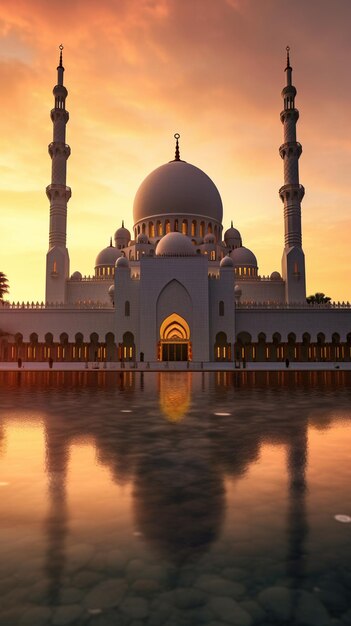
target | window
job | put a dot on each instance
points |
(193, 228)
(127, 308)
(221, 308)
(212, 255)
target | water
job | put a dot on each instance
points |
(175, 498)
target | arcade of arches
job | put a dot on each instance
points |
(175, 345)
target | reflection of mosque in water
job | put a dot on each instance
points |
(177, 465)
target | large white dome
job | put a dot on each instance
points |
(177, 188)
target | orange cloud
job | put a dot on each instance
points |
(139, 70)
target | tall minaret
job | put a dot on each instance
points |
(57, 258)
(291, 194)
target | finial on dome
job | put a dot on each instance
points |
(177, 153)
(122, 223)
(111, 242)
(231, 224)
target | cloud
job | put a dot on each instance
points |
(139, 70)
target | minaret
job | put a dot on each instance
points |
(291, 194)
(57, 258)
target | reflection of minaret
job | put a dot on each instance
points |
(291, 194)
(297, 526)
(2, 440)
(56, 521)
(57, 258)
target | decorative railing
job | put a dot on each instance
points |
(54, 305)
(297, 305)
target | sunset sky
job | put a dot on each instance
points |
(137, 71)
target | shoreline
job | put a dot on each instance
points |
(176, 366)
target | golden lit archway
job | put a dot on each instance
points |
(174, 342)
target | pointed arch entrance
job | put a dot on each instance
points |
(174, 344)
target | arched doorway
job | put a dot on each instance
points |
(174, 344)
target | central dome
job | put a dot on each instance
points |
(175, 244)
(177, 188)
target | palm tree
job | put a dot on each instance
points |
(4, 285)
(318, 298)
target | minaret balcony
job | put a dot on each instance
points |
(291, 193)
(290, 148)
(58, 148)
(59, 114)
(288, 114)
(61, 192)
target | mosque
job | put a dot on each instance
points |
(176, 288)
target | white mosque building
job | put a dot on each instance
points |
(176, 288)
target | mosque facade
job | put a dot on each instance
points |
(177, 287)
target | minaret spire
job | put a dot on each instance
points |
(60, 68)
(291, 194)
(57, 270)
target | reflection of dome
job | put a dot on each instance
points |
(175, 244)
(107, 256)
(76, 276)
(122, 262)
(243, 257)
(142, 238)
(275, 276)
(226, 262)
(178, 502)
(177, 188)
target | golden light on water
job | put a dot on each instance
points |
(175, 394)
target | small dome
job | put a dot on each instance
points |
(122, 236)
(76, 276)
(209, 238)
(175, 244)
(275, 276)
(108, 256)
(237, 291)
(177, 188)
(142, 238)
(122, 262)
(243, 257)
(232, 237)
(226, 262)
